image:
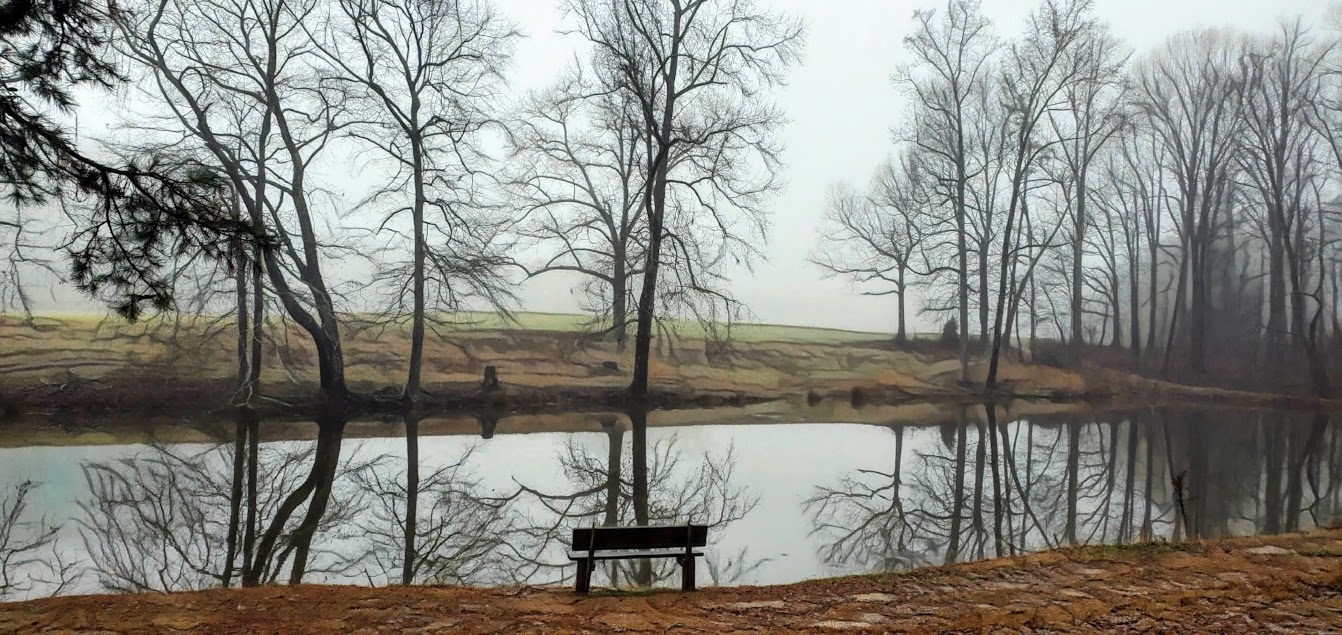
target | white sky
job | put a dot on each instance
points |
(842, 107)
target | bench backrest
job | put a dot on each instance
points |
(607, 538)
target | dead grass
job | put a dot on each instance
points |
(57, 363)
(538, 350)
(1213, 586)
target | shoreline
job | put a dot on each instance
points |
(1291, 581)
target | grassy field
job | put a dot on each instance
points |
(530, 351)
(575, 323)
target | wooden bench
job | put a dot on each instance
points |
(682, 542)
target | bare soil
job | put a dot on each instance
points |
(1290, 583)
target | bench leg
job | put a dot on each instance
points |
(583, 583)
(687, 573)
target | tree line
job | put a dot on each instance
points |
(1180, 204)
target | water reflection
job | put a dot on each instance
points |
(1151, 475)
(785, 502)
(164, 518)
(651, 484)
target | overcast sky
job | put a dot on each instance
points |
(842, 107)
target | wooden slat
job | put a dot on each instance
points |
(600, 538)
(631, 555)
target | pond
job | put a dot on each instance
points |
(786, 502)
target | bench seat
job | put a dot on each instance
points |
(632, 555)
(685, 543)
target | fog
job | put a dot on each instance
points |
(842, 108)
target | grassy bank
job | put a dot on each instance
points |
(54, 365)
(544, 360)
(1289, 583)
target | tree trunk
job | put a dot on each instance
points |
(1073, 476)
(901, 336)
(1152, 295)
(409, 556)
(984, 303)
(1197, 314)
(1176, 304)
(1134, 304)
(1078, 251)
(655, 207)
(1276, 312)
(958, 496)
(619, 311)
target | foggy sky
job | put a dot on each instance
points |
(842, 107)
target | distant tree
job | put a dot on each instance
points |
(1281, 159)
(1189, 92)
(874, 238)
(579, 171)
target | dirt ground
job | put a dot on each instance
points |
(1281, 584)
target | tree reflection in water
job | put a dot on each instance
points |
(461, 535)
(865, 520)
(187, 517)
(1046, 482)
(30, 561)
(653, 485)
(159, 521)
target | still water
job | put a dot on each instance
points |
(786, 502)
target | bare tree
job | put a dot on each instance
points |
(1035, 80)
(423, 78)
(696, 70)
(874, 238)
(1093, 114)
(1279, 160)
(579, 161)
(237, 82)
(1190, 94)
(952, 53)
